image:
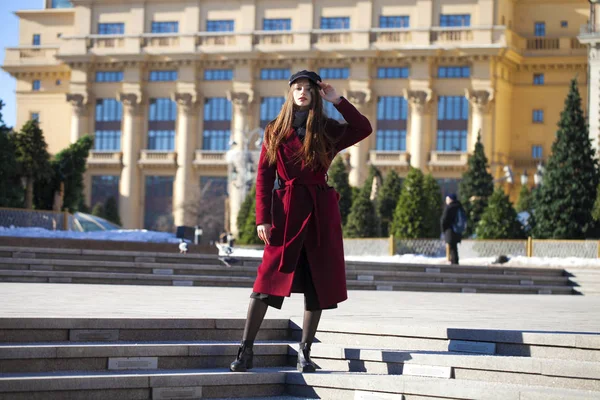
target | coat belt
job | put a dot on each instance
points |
(310, 185)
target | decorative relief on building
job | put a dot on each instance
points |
(480, 99)
(419, 99)
(358, 97)
(240, 100)
(130, 101)
(187, 101)
(78, 102)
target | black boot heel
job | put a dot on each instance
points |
(244, 359)
(305, 364)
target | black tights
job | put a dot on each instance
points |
(256, 313)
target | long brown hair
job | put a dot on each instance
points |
(317, 145)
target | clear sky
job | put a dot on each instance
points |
(9, 37)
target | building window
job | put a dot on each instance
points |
(226, 25)
(277, 24)
(538, 116)
(217, 124)
(332, 112)
(454, 72)
(539, 29)
(109, 76)
(334, 73)
(36, 85)
(163, 76)
(536, 151)
(274, 74)
(158, 212)
(455, 20)
(111, 29)
(35, 116)
(61, 4)
(452, 123)
(36, 41)
(213, 186)
(103, 187)
(538, 79)
(161, 124)
(392, 113)
(218, 74)
(109, 113)
(269, 109)
(397, 21)
(165, 27)
(564, 24)
(392, 72)
(335, 22)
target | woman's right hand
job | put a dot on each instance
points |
(264, 232)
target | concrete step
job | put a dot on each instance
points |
(235, 281)
(118, 356)
(339, 385)
(544, 345)
(156, 385)
(453, 365)
(81, 330)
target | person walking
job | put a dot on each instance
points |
(454, 223)
(299, 221)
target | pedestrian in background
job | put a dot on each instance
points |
(454, 223)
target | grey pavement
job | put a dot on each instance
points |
(373, 308)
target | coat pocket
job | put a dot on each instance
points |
(277, 216)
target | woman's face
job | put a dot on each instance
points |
(302, 93)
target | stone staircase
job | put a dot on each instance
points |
(78, 358)
(94, 266)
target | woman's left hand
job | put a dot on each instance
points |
(328, 93)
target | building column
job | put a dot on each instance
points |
(480, 101)
(594, 93)
(359, 153)
(129, 183)
(78, 115)
(418, 101)
(237, 154)
(186, 146)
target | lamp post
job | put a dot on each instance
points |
(538, 177)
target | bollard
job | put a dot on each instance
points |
(392, 245)
(529, 249)
(65, 220)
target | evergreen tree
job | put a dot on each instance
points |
(248, 202)
(499, 219)
(433, 198)
(11, 190)
(563, 207)
(368, 185)
(98, 210)
(338, 178)
(111, 211)
(361, 219)
(388, 198)
(525, 201)
(410, 215)
(33, 157)
(476, 186)
(596, 209)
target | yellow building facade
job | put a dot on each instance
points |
(167, 86)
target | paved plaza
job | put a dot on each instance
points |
(545, 313)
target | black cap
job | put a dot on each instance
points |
(310, 75)
(453, 197)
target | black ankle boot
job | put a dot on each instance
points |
(304, 362)
(243, 361)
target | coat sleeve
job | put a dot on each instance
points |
(265, 180)
(356, 129)
(444, 220)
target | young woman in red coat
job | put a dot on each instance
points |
(299, 219)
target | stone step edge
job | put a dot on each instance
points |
(485, 362)
(542, 289)
(396, 384)
(250, 269)
(434, 387)
(528, 365)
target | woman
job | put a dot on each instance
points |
(300, 222)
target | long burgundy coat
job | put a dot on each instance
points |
(304, 212)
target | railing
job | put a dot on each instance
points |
(210, 157)
(216, 39)
(23, 218)
(390, 158)
(30, 55)
(391, 36)
(543, 43)
(448, 158)
(331, 36)
(272, 38)
(105, 158)
(157, 158)
(163, 40)
(106, 41)
(451, 34)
